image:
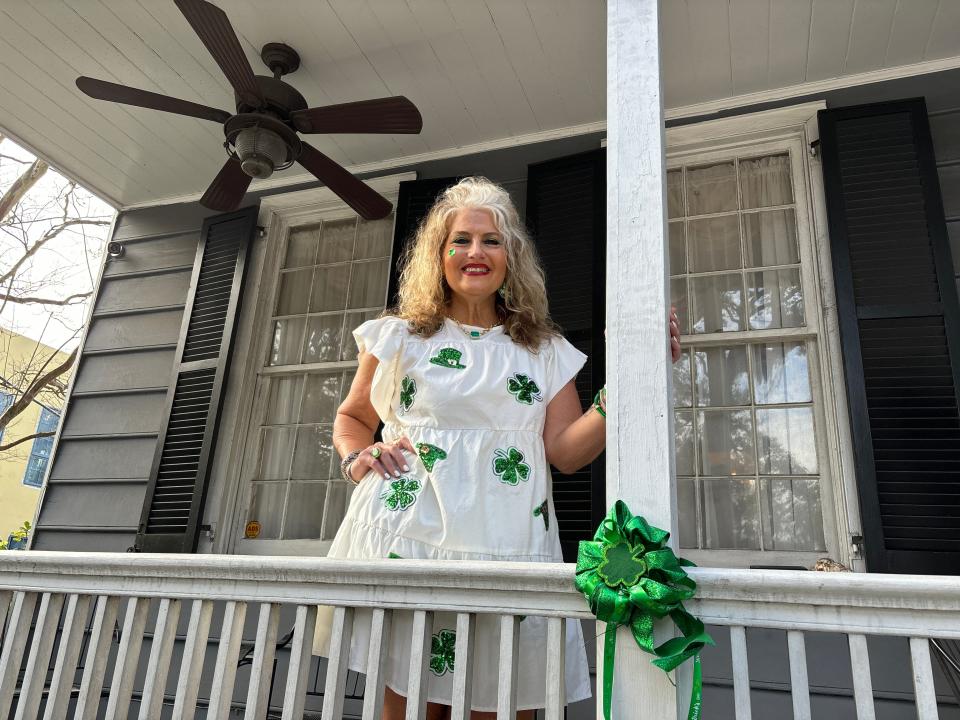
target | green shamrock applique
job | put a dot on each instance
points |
(543, 510)
(508, 465)
(524, 389)
(443, 647)
(401, 494)
(622, 565)
(408, 389)
(430, 455)
(448, 358)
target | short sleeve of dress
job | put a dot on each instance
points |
(383, 338)
(563, 364)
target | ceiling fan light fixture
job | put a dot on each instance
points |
(260, 152)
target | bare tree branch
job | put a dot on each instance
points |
(27, 438)
(21, 186)
(69, 300)
(35, 388)
(43, 240)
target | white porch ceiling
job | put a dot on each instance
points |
(484, 73)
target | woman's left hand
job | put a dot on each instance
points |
(674, 335)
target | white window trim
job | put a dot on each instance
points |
(230, 484)
(792, 129)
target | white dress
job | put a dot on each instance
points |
(480, 490)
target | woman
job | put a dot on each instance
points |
(475, 387)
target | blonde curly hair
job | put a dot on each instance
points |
(424, 293)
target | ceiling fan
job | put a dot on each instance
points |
(262, 136)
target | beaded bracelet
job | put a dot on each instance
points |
(600, 401)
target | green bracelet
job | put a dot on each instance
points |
(596, 401)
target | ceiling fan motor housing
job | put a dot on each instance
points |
(260, 151)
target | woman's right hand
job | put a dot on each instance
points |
(391, 462)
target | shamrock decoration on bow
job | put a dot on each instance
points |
(508, 465)
(543, 510)
(524, 388)
(443, 647)
(430, 454)
(630, 576)
(408, 388)
(401, 494)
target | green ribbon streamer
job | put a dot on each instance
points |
(630, 577)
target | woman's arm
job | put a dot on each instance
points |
(356, 423)
(572, 438)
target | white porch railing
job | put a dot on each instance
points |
(51, 599)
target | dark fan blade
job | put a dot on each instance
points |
(383, 115)
(368, 203)
(213, 27)
(103, 90)
(228, 188)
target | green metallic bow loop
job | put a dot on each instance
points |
(630, 577)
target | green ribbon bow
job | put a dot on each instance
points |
(630, 577)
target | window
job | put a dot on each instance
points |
(40, 451)
(6, 400)
(332, 278)
(749, 440)
(15, 544)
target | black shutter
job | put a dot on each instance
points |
(900, 329)
(566, 211)
(178, 477)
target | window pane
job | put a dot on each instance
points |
(714, 243)
(792, 514)
(775, 299)
(266, 507)
(311, 459)
(368, 284)
(321, 397)
(302, 246)
(287, 339)
(330, 288)
(322, 342)
(687, 511)
(770, 238)
(681, 381)
(731, 516)
(294, 292)
(717, 303)
(780, 373)
(678, 299)
(304, 510)
(711, 189)
(352, 321)
(726, 442)
(785, 442)
(678, 249)
(275, 453)
(336, 241)
(722, 376)
(675, 193)
(336, 507)
(283, 400)
(766, 181)
(374, 238)
(683, 441)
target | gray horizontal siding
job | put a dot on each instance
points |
(175, 251)
(124, 371)
(124, 294)
(103, 506)
(83, 539)
(114, 414)
(146, 330)
(114, 457)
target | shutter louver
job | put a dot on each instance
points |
(566, 211)
(897, 306)
(178, 479)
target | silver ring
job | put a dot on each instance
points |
(375, 453)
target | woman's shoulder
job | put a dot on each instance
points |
(382, 337)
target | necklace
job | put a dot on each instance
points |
(473, 334)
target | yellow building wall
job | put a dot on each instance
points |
(18, 502)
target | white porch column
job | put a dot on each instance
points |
(640, 419)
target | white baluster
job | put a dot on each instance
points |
(95, 663)
(68, 652)
(11, 657)
(35, 674)
(419, 658)
(158, 666)
(463, 666)
(258, 690)
(509, 648)
(556, 668)
(301, 648)
(380, 625)
(5, 596)
(191, 667)
(128, 656)
(341, 635)
(923, 679)
(228, 654)
(862, 683)
(799, 685)
(741, 672)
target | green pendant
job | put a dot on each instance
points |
(474, 333)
